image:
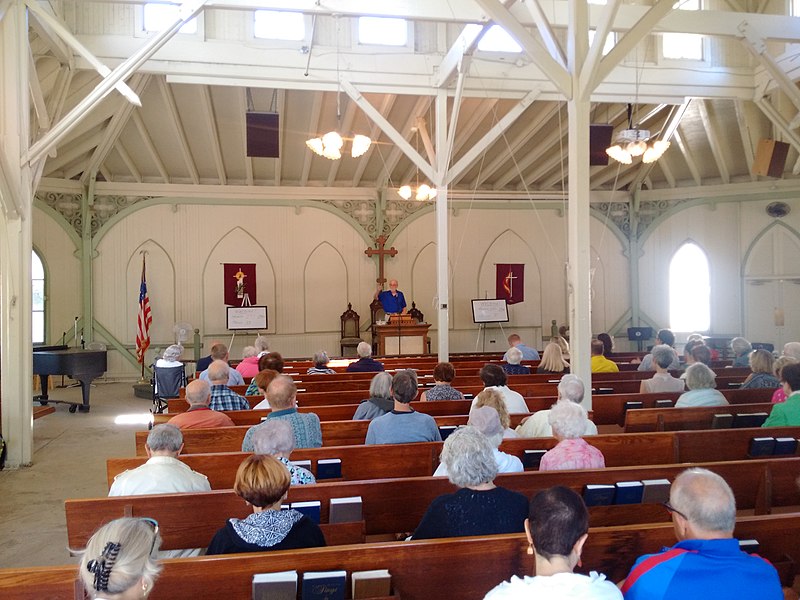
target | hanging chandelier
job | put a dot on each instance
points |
(635, 142)
(330, 145)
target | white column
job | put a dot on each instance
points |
(442, 250)
(15, 246)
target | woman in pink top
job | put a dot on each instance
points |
(568, 421)
(249, 365)
(780, 362)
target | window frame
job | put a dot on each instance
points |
(675, 327)
(141, 32)
(276, 43)
(385, 48)
(45, 312)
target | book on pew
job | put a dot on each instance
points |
(628, 492)
(345, 510)
(469, 396)
(749, 419)
(310, 508)
(749, 546)
(761, 446)
(785, 446)
(655, 491)
(371, 584)
(663, 403)
(722, 421)
(632, 404)
(532, 458)
(306, 464)
(446, 430)
(598, 494)
(329, 468)
(275, 586)
(323, 585)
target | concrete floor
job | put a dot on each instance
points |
(69, 461)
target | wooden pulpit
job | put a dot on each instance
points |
(402, 335)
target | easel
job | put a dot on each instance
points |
(482, 331)
(245, 302)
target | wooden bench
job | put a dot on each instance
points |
(393, 506)
(677, 419)
(420, 570)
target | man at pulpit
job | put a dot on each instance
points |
(392, 300)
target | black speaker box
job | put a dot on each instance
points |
(262, 134)
(599, 140)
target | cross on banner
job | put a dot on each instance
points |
(381, 252)
(510, 284)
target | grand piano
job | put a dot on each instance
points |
(81, 365)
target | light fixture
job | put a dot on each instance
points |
(423, 192)
(634, 142)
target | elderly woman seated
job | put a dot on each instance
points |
(263, 483)
(492, 398)
(443, 374)
(557, 528)
(479, 507)
(552, 361)
(276, 438)
(119, 560)
(777, 368)
(741, 352)
(662, 381)
(569, 422)
(486, 420)
(762, 375)
(248, 366)
(380, 399)
(701, 382)
(320, 367)
(512, 366)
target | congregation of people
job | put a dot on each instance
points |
(705, 562)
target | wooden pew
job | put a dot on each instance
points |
(420, 569)
(679, 419)
(393, 506)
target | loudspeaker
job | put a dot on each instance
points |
(262, 134)
(599, 140)
(770, 158)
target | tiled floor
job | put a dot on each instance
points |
(70, 450)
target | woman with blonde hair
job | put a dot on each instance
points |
(552, 360)
(761, 366)
(780, 362)
(119, 561)
(263, 483)
(494, 399)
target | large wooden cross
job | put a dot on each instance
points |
(381, 252)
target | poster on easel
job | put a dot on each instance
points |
(246, 318)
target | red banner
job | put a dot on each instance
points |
(510, 283)
(239, 283)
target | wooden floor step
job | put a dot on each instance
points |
(40, 411)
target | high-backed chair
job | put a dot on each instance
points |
(376, 314)
(350, 332)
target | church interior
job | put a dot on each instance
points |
(176, 135)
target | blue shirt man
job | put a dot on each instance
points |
(528, 353)
(392, 300)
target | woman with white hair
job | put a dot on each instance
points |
(662, 381)
(276, 438)
(701, 382)
(512, 365)
(248, 366)
(119, 560)
(792, 349)
(380, 398)
(569, 421)
(486, 420)
(479, 507)
(170, 357)
(741, 352)
(320, 367)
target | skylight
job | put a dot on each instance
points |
(382, 31)
(279, 25)
(157, 17)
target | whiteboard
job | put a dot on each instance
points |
(489, 311)
(253, 318)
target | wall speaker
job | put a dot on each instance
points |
(262, 134)
(770, 158)
(599, 140)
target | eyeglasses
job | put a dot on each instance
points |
(672, 509)
(154, 524)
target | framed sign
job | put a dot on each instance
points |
(252, 318)
(489, 311)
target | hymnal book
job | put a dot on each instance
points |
(598, 494)
(345, 510)
(664, 403)
(469, 396)
(761, 446)
(446, 430)
(749, 419)
(311, 509)
(631, 405)
(655, 491)
(722, 421)
(329, 468)
(785, 445)
(605, 390)
(275, 586)
(306, 464)
(286, 506)
(749, 546)
(532, 458)
(371, 584)
(628, 492)
(324, 585)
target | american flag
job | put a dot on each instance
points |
(143, 319)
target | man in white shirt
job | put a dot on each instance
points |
(570, 388)
(493, 376)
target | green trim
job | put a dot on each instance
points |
(120, 347)
(60, 221)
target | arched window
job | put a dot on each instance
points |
(37, 283)
(689, 290)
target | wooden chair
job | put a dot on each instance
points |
(376, 313)
(351, 331)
